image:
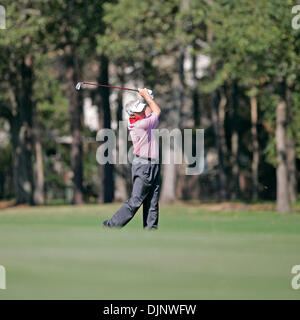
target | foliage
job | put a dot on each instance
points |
(250, 43)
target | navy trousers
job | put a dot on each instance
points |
(146, 183)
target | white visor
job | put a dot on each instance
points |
(135, 106)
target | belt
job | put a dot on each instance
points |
(144, 158)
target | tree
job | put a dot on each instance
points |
(238, 53)
(19, 51)
(283, 72)
(106, 189)
(71, 29)
(259, 52)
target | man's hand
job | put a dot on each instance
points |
(152, 104)
(144, 93)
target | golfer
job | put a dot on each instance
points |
(143, 117)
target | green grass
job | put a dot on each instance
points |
(61, 252)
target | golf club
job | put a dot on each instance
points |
(79, 84)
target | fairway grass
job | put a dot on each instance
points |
(62, 252)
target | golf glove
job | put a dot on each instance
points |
(151, 93)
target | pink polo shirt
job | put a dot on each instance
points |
(144, 142)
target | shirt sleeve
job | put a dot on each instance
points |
(150, 122)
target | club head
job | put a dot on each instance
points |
(78, 85)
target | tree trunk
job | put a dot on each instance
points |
(75, 112)
(38, 193)
(292, 170)
(235, 144)
(2, 184)
(291, 148)
(22, 137)
(168, 192)
(283, 197)
(255, 148)
(218, 117)
(222, 106)
(196, 106)
(121, 79)
(107, 172)
(122, 175)
(216, 103)
(39, 174)
(8, 115)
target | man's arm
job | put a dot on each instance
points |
(152, 104)
(148, 111)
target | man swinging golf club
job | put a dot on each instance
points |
(143, 117)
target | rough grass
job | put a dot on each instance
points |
(61, 252)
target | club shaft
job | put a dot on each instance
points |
(107, 86)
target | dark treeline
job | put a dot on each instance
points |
(229, 67)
